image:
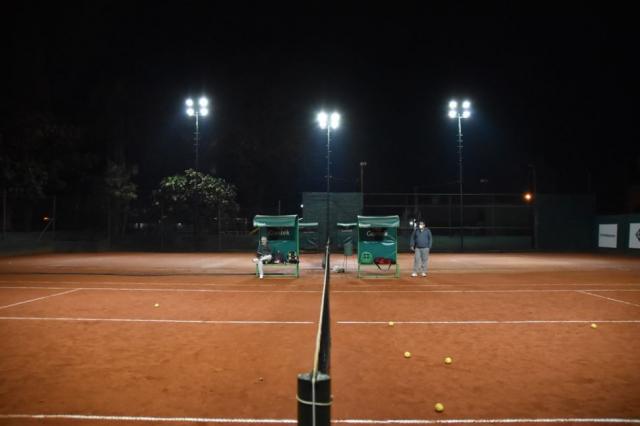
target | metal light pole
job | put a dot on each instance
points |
(363, 164)
(328, 122)
(203, 110)
(455, 112)
(534, 205)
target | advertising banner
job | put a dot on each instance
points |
(608, 235)
(634, 235)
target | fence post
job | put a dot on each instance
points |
(54, 218)
(4, 213)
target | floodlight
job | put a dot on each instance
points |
(335, 120)
(322, 120)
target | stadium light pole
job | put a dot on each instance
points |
(328, 122)
(363, 164)
(456, 112)
(202, 109)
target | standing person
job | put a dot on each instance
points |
(421, 241)
(263, 255)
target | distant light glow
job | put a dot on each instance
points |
(189, 102)
(453, 114)
(528, 196)
(466, 105)
(466, 114)
(322, 119)
(190, 112)
(453, 105)
(203, 102)
(204, 111)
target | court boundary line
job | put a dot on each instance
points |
(39, 298)
(489, 322)
(206, 290)
(290, 421)
(607, 298)
(358, 283)
(301, 322)
(159, 321)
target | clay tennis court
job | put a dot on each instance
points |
(83, 342)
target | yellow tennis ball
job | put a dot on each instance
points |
(391, 323)
(407, 354)
(594, 325)
(448, 360)
(439, 407)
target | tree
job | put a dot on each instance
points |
(196, 194)
(120, 192)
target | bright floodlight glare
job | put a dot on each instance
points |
(204, 111)
(453, 114)
(466, 105)
(189, 102)
(322, 120)
(335, 120)
(203, 102)
(466, 114)
(453, 105)
(190, 112)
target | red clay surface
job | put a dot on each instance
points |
(81, 336)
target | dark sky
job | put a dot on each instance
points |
(552, 91)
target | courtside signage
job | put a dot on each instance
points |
(634, 235)
(608, 235)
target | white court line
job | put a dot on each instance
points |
(156, 283)
(569, 290)
(608, 298)
(187, 290)
(483, 322)
(162, 321)
(484, 421)
(39, 298)
(358, 283)
(290, 421)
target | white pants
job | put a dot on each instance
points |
(260, 261)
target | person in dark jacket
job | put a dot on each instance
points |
(421, 241)
(263, 255)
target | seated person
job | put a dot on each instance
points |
(263, 255)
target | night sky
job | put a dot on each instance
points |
(554, 92)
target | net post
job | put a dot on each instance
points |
(314, 400)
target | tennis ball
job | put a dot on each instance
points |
(448, 360)
(594, 325)
(391, 323)
(156, 305)
(439, 407)
(407, 354)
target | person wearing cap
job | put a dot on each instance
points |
(263, 255)
(421, 241)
